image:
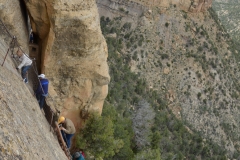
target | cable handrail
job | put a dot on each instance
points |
(33, 60)
(6, 29)
(11, 36)
(34, 66)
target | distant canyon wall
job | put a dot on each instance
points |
(74, 54)
(138, 5)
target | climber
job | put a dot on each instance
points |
(31, 37)
(83, 154)
(79, 155)
(24, 65)
(42, 90)
(67, 129)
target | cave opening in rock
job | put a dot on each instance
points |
(25, 14)
(34, 39)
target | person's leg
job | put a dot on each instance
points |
(69, 137)
(24, 71)
(38, 97)
(41, 102)
(64, 137)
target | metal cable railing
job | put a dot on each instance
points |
(50, 114)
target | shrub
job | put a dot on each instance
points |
(127, 26)
(166, 24)
(164, 56)
(199, 95)
(122, 9)
(134, 57)
(200, 48)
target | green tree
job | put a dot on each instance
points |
(97, 137)
(149, 155)
(156, 140)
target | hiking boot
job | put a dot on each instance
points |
(25, 80)
(42, 111)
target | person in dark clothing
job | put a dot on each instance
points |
(31, 38)
(42, 90)
(67, 129)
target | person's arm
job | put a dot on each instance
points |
(24, 60)
(14, 55)
(66, 130)
(69, 127)
(39, 89)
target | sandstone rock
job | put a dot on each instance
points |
(171, 95)
(15, 20)
(166, 70)
(113, 35)
(24, 132)
(200, 5)
(74, 53)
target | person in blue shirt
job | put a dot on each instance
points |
(42, 90)
(31, 37)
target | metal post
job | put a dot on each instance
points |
(8, 49)
(14, 43)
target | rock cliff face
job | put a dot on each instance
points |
(138, 5)
(10, 13)
(74, 54)
(24, 131)
(200, 5)
(228, 13)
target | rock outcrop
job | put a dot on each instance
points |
(74, 54)
(200, 5)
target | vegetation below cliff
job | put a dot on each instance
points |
(145, 122)
(228, 12)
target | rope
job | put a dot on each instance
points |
(11, 36)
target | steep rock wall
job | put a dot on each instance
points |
(24, 131)
(15, 19)
(74, 54)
